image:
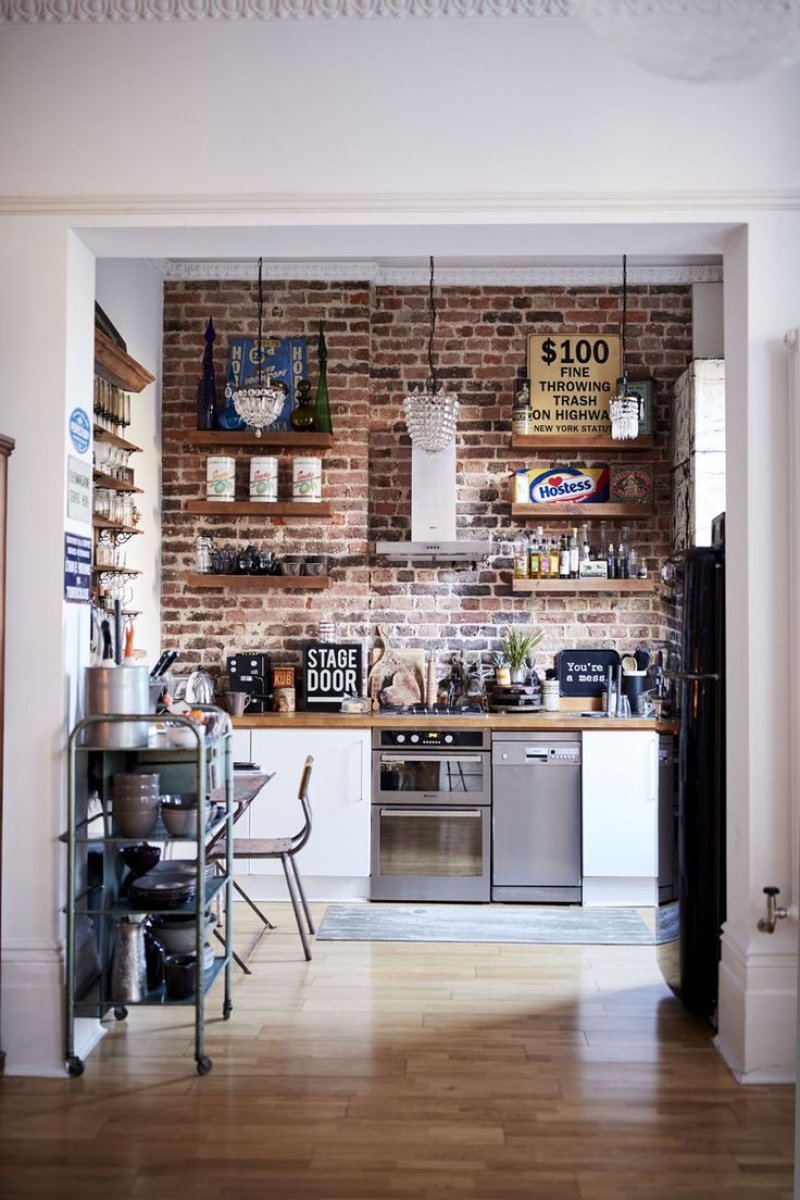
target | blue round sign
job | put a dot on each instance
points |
(80, 430)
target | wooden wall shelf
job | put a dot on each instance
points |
(580, 441)
(583, 585)
(247, 437)
(105, 435)
(118, 367)
(115, 526)
(260, 508)
(102, 480)
(258, 583)
(570, 511)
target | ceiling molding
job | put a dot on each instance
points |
(371, 272)
(69, 12)
(447, 205)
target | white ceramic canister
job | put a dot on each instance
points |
(264, 478)
(307, 479)
(221, 478)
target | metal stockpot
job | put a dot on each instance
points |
(118, 690)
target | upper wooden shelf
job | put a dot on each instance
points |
(258, 583)
(570, 510)
(101, 480)
(260, 508)
(247, 437)
(118, 367)
(580, 441)
(583, 585)
(113, 439)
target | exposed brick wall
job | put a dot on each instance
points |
(377, 347)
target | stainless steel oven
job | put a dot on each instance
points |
(431, 814)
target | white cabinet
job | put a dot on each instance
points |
(336, 861)
(620, 817)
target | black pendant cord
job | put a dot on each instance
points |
(260, 320)
(431, 365)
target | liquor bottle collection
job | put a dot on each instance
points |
(577, 554)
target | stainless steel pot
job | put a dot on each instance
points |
(121, 690)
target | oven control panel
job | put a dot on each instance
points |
(432, 739)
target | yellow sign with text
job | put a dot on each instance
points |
(572, 378)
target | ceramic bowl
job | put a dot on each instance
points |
(179, 815)
(184, 738)
(136, 824)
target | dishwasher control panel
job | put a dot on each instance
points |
(532, 752)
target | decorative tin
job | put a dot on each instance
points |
(307, 479)
(563, 484)
(631, 485)
(283, 690)
(264, 478)
(221, 478)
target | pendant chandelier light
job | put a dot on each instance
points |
(431, 413)
(259, 404)
(624, 409)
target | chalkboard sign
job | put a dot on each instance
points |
(331, 671)
(585, 672)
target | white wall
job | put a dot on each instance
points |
(454, 106)
(131, 295)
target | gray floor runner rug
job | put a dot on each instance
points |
(488, 923)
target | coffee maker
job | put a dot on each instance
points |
(251, 672)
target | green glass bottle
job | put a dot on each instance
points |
(302, 418)
(322, 408)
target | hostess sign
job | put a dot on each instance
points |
(572, 381)
(556, 485)
(331, 672)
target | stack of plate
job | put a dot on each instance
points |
(168, 885)
(518, 697)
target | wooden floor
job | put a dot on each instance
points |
(396, 1071)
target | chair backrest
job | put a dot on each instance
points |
(300, 839)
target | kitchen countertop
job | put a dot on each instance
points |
(560, 721)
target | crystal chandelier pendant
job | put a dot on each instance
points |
(431, 412)
(431, 418)
(624, 413)
(260, 405)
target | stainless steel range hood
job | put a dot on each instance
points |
(433, 514)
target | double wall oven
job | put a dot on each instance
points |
(431, 812)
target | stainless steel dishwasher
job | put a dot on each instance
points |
(536, 817)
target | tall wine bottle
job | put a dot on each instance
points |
(322, 408)
(207, 387)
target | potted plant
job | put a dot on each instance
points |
(515, 648)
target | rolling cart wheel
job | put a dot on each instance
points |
(204, 1065)
(227, 1009)
(75, 1066)
(120, 1013)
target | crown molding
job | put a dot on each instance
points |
(175, 270)
(69, 12)
(485, 205)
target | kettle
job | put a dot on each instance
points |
(199, 688)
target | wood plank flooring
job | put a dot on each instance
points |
(397, 1072)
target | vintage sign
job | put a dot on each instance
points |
(585, 672)
(79, 490)
(332, 671)
(77, 568)
(80, 430)
(572, 380)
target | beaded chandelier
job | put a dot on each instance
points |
(259, 404)
(431, 412)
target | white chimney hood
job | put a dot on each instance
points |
(433, 513)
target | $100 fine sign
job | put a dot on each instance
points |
(573, 379)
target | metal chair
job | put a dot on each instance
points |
(284, 849)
